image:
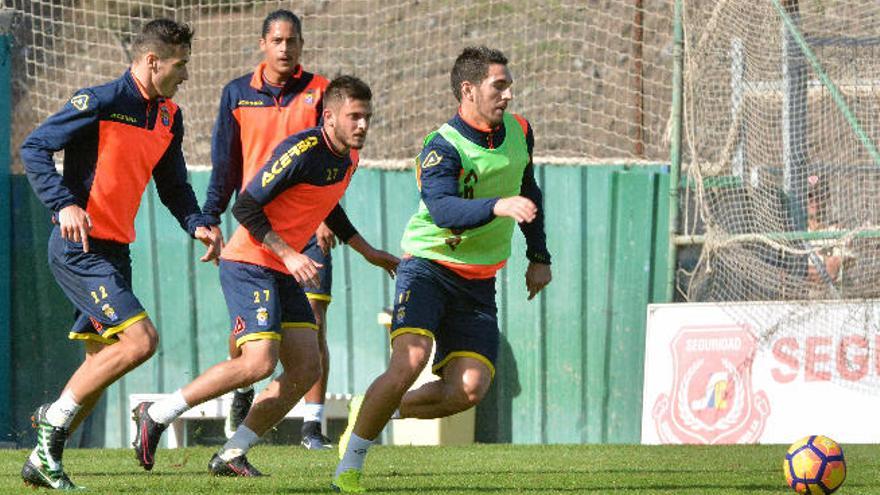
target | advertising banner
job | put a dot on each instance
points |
(761, 372)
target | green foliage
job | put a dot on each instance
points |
(479, 469)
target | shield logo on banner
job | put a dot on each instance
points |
(712, 400)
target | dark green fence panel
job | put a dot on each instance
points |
(599, 225)
(630, 293)
(367, 289)
(570, 364)
(564, 302)
(212, 324)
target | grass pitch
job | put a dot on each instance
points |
(479, 469)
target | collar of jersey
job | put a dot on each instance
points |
(257, 77)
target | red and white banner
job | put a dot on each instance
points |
(761, 372)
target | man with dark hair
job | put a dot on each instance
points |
(114, 137)
(477, 180)
(257, 111)
(263, 273)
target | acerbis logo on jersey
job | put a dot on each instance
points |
(80, 102)
(286, 158)
(431, 160)
(124, 118)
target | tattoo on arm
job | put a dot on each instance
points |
(276, 244)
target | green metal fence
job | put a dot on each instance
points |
(570, 366)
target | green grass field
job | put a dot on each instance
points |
(481, 469)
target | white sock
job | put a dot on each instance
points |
(355, 454)
(396, 414)
(313, 412)
(167, 410)
(243, 439)
(244, 390)
(62, 411)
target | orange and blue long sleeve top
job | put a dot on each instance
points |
(253, 118)
(114, 139)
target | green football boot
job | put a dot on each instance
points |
(48, 472)
(348, 481)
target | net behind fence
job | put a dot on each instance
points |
(782, 120)
(593, 78)
(781, 124)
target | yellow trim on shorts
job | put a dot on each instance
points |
(91, 337)
(460, 354)
(311, 296)
(257, 336)
(125, 324)
(412, 330)
(287, 325)
(110, 332)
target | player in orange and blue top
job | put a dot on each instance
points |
(115, 137)
(263, 273)
(476, 178)
(257, 111)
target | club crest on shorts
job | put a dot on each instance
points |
(165, 116)
(712, 400)
(109, 312)
(262, 316)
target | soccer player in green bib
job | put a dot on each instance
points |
(476, 180)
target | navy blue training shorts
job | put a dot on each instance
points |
(98, 283)
(262, 301)
(458, 313)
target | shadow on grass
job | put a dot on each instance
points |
(538, 472)
(551, 489)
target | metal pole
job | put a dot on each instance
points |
(794, 121)
(675, 150)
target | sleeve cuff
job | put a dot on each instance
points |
(195, 221)
(538, 257)
(212, 219)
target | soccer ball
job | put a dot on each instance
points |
(814, 465)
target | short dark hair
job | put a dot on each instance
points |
(343, 87)
(160, 36)
(282, 15)
(472, 65)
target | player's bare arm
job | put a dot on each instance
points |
(303, 268)
(376, 257)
